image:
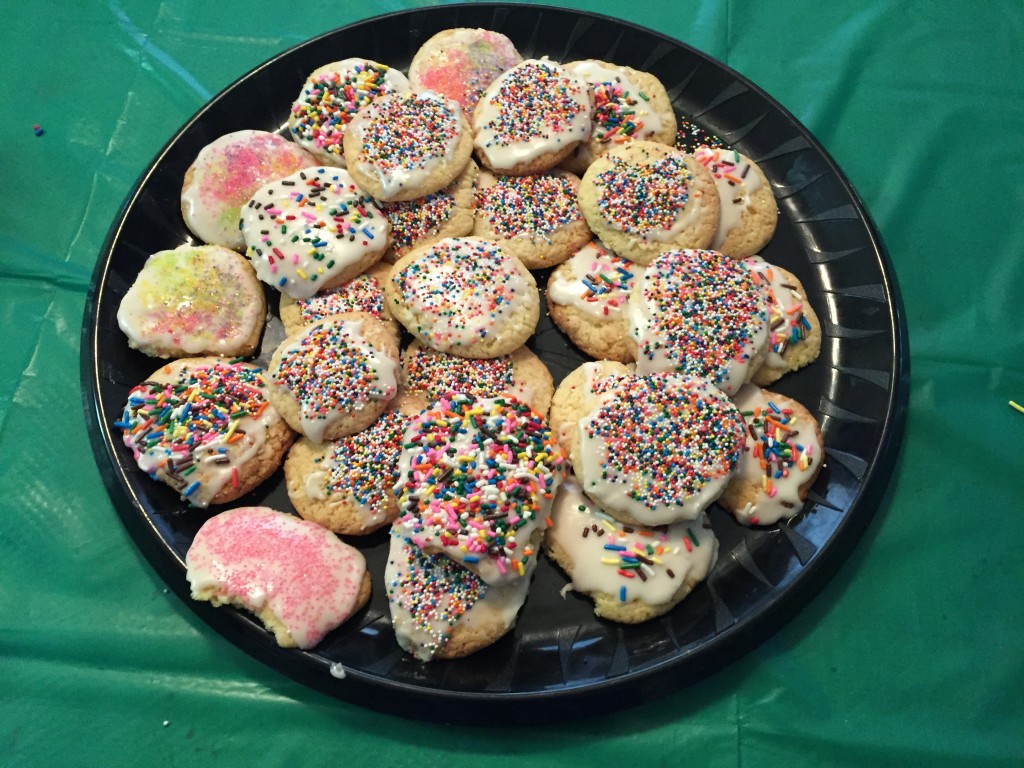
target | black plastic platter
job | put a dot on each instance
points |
(559, 660)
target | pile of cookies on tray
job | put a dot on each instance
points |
(403, 222)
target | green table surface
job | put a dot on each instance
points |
(913, 654)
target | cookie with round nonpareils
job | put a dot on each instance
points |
(206, 428)
(363, 293)
(580, 393)
(194, 300)
(644, 198)
(781, 459)
(299, 579)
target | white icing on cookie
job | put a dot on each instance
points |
(735, 179)
(303, 230)
(619, 96)
(787, 323)
(598, 282)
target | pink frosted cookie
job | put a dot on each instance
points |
(700, 313)
(206, 428)
(225, 175)
(301, 580)
(404, 146)
(535, 218)
(312, 230)
(204, 300)
(531, 118)
(748, 209)
(363, 293)
(460, 63)
(330, 98)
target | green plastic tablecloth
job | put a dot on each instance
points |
(910, 655)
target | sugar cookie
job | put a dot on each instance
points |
(748, 212)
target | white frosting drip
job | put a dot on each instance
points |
(588, 264)
(735, 180)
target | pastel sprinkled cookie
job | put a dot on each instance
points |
(301, 580)
(405, 145)
(331, 96)
(701, 313)
(206, 428)
(535, 218)
(629, 105)
(794, 333)
(346, 485)
(464, 296)
(780, 461)
(632, 573)
(447, 213)
(363, 293)
(442, 610)
(312, 230)
(748, 210)
(460, 63)
(654, 449)
(226, 173)
(530, 118)
(203, 300)
(335, 377)
(643, 198)
(476, 479)
(587, 297)
(520, 374)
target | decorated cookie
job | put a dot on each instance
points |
(794, 333)
(301, 580)
(404, 146)
(520, 374)
(629, 105)
(780, 461)
(587, 298)
(464, 296)
(330, 98)
(476, 479)
(632, 573)
(442, 610)
(535, 218)
(531, 118)
(643, 198)
(700, 313)
(312, 231)
(363, 293)
(203, 300)
(650, 450)
(335, 377)
(346, 485)
(226, 173)
(206, 428)
(748, 211)
(460, 63)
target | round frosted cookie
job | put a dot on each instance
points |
(464, 296)
(643, 198)
(299, 579)
(535, 218)
(335, 377)
(780, 460)
(330, 98)
(206, 428)
(442, 610)
(748, 211)
(405, 145)
(312, 231)
(700, 313)
(520, 374)
(530, 118)
(475, 482)
(226, 173)
(460, 63)
(202, 300)
(587, 297)
(629, 105)
(346, 485)
(631, 573)
(794, 333)
(363, 293)
(651, 450)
